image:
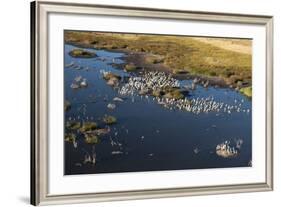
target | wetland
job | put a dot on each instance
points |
(151, 102)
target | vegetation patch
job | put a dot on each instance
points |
(168, 92)
(247, 91)
(177, 52)
(130, 67)
(91, 139)
(88, 126)
(109, 119)
(70, 137)
(174, 93)
(157, 93)
(100, 132)
(79, 53)
(73, 125)
(108, 75)
(154, 59)
(180, 71)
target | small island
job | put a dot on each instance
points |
(80, 53)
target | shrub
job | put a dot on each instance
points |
(73, 125)
(130, 67)
(91, 139)
(70, 137)
(109, 119)
(79, 53)
(88, 126)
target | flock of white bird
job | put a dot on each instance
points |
(150, 81)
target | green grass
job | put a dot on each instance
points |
(178, 53)
(247, 91)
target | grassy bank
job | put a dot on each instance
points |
(196, 56)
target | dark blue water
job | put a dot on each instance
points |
(151, 137)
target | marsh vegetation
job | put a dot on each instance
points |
(228, 59)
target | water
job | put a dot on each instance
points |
(149, 136)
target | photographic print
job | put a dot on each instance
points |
(150, 102)
(143, 103)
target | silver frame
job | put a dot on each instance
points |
(39, 100)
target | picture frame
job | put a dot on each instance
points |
(40, 103)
